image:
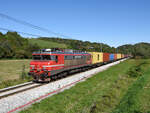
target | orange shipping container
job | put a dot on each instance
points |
(105, 57)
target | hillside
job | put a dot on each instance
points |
(81, 45)
(139, 50)
(12, 45)
(46, 44)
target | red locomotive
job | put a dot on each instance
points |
(50, 64)
(55, 63)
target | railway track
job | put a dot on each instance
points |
(29, 85)
(26, 86)
(18, 89)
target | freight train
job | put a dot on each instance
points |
(48, 64)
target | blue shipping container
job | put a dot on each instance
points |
(111, 57)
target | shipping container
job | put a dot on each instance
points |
(111, 57)
(122, 55)
(115, 56)
(97, 57)
(105, 57)
(118, 56)
(126, 56)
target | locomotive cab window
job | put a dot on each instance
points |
(53, 57)
(44, 57)
(36, 57)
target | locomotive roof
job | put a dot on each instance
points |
(59, 51)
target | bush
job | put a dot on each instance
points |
(134, 71)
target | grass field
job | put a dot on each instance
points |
(46, 44)
(11, 70)
(124, 88)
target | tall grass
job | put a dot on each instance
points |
(130, 102)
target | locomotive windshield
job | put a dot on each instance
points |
(44, 57)
(36, 57)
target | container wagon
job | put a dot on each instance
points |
(97, 58)
(111, 57)
(106, 57)
(118, 56)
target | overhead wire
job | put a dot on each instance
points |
(31, 25)
(4, 29)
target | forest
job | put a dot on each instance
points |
(14, 46)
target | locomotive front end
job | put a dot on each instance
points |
(39, 69)
(40, 66)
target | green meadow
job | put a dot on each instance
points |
(11, 72)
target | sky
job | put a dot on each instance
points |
(113, 22)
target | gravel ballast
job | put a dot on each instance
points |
(21, 100)
(18, 89)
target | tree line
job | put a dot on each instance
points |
(12, 45)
